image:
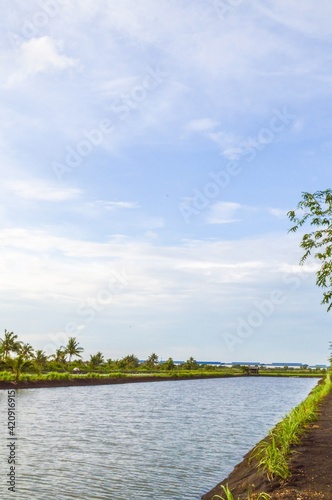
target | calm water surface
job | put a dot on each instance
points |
(146, 441)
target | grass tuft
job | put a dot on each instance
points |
(272, 455)
(229, 495)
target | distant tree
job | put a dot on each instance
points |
(9, 343)
(130, 362)
(96, 360)
(18, 365)
(190, 364)
(26, 350)
(316, 209)
(60, 355)
(152, 361)
(168, 365)
(73, 349)
(111, 364)
(39, 360)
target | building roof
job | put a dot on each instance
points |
(255, 363)
(287, 364)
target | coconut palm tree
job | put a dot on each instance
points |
(9, 344)
(190, 364)
(152, 360)
(27, 351)
(96, 360)
(39, 359)
(168, 365)
(18, 365)
(73, 349)
(60, 355)
(129, 362)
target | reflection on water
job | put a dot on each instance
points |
(148, 441)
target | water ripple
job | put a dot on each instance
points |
(167, 440)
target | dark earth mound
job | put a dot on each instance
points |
(310, 465)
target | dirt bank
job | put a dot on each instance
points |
(311, 467)
(101, 381)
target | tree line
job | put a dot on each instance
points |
(16, 355)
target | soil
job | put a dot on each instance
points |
(98, 381)
(310, 465)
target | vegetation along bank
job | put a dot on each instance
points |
(293, 461)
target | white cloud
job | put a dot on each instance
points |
(306, 18)
(96, 209)
(277, 212)
(39, 55)
(37, 190)
(113, 205)
(161, 290)
(231, 146)
(201, 125)
(224, 213)
(36, 264)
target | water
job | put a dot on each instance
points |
(146, 441)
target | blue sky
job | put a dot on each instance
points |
(149, 154)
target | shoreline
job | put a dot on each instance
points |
(81, 382)
(309, 462)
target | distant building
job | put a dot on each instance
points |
(210, 363)
(318, 367)
(289, 365)
(245, 363)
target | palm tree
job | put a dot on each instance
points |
(73, 349)
(169, 364)
(40, 357)
(17, 365)
(96, 360)
(9, 344)
(152, 360)
(27, 351)
(60, 355)
(190, 364)
(129, 362)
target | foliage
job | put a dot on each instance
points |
(190, 364)
(6, 376)
(40, 358)
(130, 362)
(26, 350)
(229, 495)
(168, 365)
(9, 344)
(272, 455)
(17, 365)
(96, 360)
(56, 376)
(316, 209)
(59, 356)
(152, 361)
(73, 349)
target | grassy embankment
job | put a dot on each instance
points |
(8, 376)
(229, 496)
(272, 455)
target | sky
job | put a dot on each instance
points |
(150, 152)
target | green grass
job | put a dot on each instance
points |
(7, 376)
(228, 495)
(272, 455)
